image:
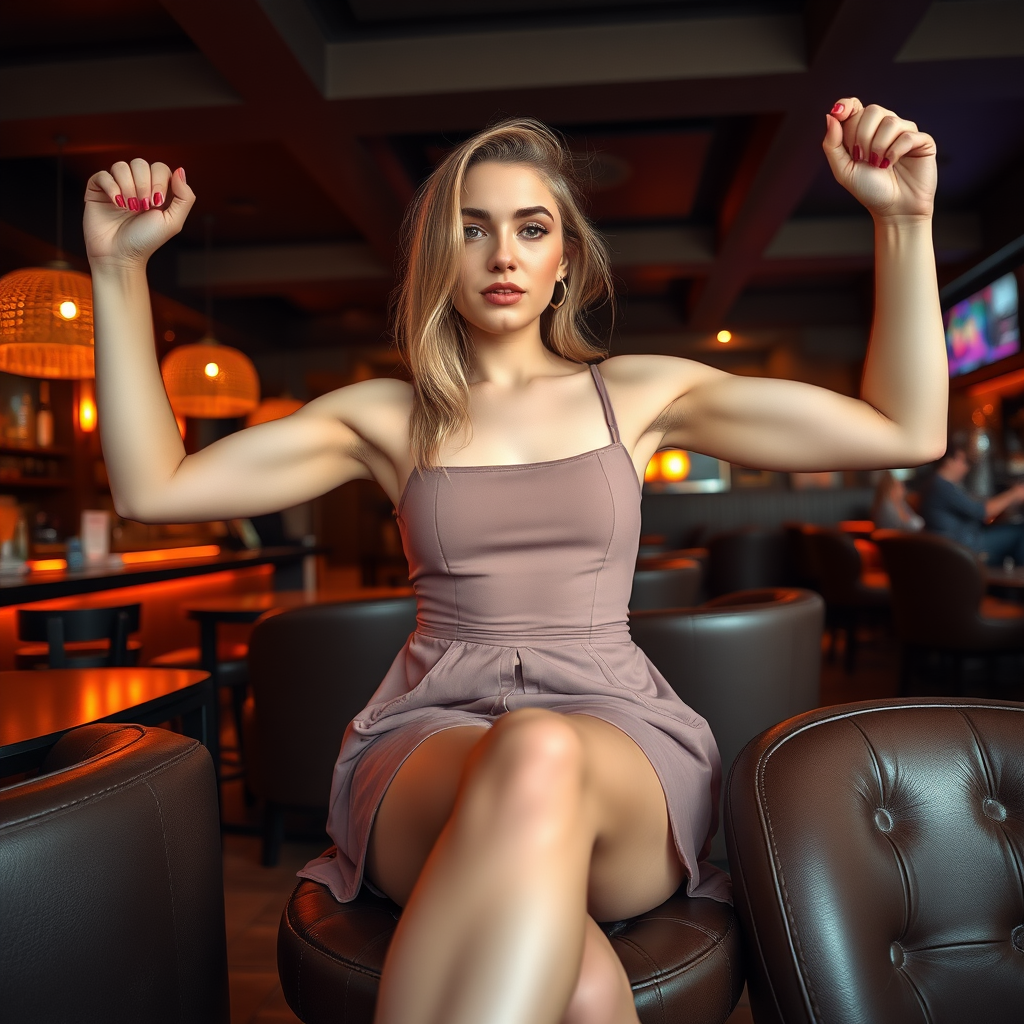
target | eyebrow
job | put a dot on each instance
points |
(526, 211)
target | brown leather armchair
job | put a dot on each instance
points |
(743, 662)
(112, 902)
(876, 864)
(939, 602)
(746, 559)
(852, 593)
(312, 670)
(676, 584)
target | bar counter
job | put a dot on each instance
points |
(45, 586)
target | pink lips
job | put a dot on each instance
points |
(503, 294)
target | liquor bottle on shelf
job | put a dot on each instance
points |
(44, 417)
(24, 421)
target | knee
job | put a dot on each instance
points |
(533, 758)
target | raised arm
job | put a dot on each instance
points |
(900, 418)
(130, 212)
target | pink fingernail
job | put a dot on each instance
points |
(133, 204)
(120, 201)
(874, 160)
(145, 205)
(157, 198)
(856, 154)
(837, 109)
(883, 164)
(180, 172)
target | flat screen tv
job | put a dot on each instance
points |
(984, 327)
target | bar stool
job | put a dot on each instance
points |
(78, 637)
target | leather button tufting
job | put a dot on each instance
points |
(994, 809)
(896, 955)
(883, 820)
(1018, 938)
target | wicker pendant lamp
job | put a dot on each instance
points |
(273, 409)
(46, 325)
(208, 380)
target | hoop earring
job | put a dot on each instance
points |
(565, 294)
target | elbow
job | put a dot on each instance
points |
(925, 450)
(129, 507)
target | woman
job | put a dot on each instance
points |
(523, 771)
(890, 509)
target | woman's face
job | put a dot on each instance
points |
(513, 251)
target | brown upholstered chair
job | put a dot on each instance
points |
(852, 593)
(746, 559)
(683, 958)
(876, 864)
(312, 670)
(743, 662)
(112, 902)
(675, 584)
(939, 602)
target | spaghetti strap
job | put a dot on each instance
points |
(609, 412)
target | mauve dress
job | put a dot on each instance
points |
(532, 561)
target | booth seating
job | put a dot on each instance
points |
(112, 902)
(940, 605)
(78, 637)
(312, 670)
(674, 584)
(853, 594)
(876, 863)
(743, 662)
(683, 958)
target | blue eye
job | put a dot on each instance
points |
(469, 228)
(534, 231)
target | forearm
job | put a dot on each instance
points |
(141, 443)
(905, 374)
(1000, 503)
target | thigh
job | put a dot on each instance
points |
(415, 807)
(635, 865)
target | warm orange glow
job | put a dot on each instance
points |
(1012, 381)
(182, 426)
(675, 465)
(653, 470)
(724, 337)
(87, 415)
(211, 369)
(208, 380)
(46, 564)
(170, 554)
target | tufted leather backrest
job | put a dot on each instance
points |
(111, 892)
(877, 854)
(743, 661)
(312, 670)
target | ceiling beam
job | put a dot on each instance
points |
(239, 41)
(855, 48)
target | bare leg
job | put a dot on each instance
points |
(553, 813)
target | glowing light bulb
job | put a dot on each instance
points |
(725, 337)
(211, 369)
(87, 414)
(653, 470)
(68, 309)
(675, 465)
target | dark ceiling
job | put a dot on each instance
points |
(306, 125)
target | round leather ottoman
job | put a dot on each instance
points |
(682, 958)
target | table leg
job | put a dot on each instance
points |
(201, 722)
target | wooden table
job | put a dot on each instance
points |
(38, 707)
(247, 608)
(997, 576)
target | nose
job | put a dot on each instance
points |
(503, 257)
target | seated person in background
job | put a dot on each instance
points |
(890, 510)
(950, 511)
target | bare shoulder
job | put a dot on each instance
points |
(639, 371)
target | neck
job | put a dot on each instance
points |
(513, 359)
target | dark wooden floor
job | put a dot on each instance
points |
(254, 895)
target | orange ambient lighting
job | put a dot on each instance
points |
(724, 337)
(86, 407)
(170, 554)
(46, 565)
(653, 470)
(675, 465)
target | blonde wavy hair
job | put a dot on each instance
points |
(431, 333)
